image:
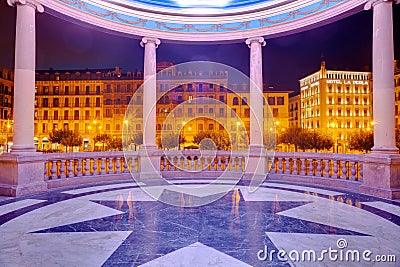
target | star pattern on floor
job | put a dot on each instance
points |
(230, 225)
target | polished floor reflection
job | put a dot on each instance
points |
(120, 225)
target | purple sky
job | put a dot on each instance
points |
(346, 44)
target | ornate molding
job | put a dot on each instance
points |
(372, 3)
(259, 39)
(153, 40)
(32, 3)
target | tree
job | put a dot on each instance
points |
(114, 144)
(361, 140)
(168, 141)
(294, 136)
(220, 139)
(66, 138)
(319, 140)
(102, 138)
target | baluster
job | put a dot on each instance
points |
(240, 164)
(79, 168)
(185, 164)
(62, 169)
(361, 171)
(219, 162)
(303, 167)
(110, 166)
(280, 166)
(295, 169)
(335, 169)
(133, 167)
(118, 165)
(287, 171)
(95, 172)
(353, 170)
(53, 170)
(103, 166)
(310, 167)
(87, 167)
(165, 163)
(192, 164)
(45, 170)
(199, 163)
(70, 168)
(344, 170)
(273, 166)
(319, 167)
(327, 168)
(125, 165)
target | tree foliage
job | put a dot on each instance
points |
(109, 141)
(102, 138)
(168, 141)
(66, 138)
(220, 139)
(306, 139)
(361, 140)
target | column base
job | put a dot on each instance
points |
(149, 167)
(18, 149)
(385, 150)
(381, 175)
(21, 174)
(255, 163)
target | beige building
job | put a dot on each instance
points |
(294, 111)
(339, 101)
(6, 102)
(397, 92)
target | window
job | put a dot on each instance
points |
(339, 112)
(108, 88)
(244, 101)
(76, 102)
(66, 102)
(56, 90)
(66, 90)
(97, 114)
(138, 99)
(87, 114)
(210, 110)
(87, 89)
(87, 102)
(222, 98)
(56, 102)
(233, 112)
(98, 89)
(275, 112)
(365, 112)
(200, 110)
(211, 127)
(45, 115)
(330, 100)
(330, 112)
(280, 100)
(97, 101)
(180, 98)
(221, 112)
(190, 111)
(44, 129)
(46, 90)
(108, 127)
(348, 102)
(271, 100)
(66, 115)
(77, 90)
(138, 127)
(76, 114)
(200, 127)
(356, 100)
(45, 102)
(128, 99)
(339, 100)
(348, 113)
(235, 101)
(365, 101)
(247, 113)
(55, 114)
(220, 127)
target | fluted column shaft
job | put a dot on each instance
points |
(24, 75)
(149, 91)
(256, 91)
(383, 82)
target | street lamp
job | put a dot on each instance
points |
(8, 130)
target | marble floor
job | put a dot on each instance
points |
(119, 224)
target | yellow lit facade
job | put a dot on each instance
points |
(95, 101)
(397, 92)
(6, 101)
(339, 101)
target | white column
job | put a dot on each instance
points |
(256, 92)
(24, 77)
(383, 73)
(149, 91)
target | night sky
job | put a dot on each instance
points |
(346, 44)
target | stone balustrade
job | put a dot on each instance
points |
(327, 165)
(68, 165)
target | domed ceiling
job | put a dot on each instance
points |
(204, 20)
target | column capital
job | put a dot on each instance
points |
(370, 4)
(153, 40)
(258, 39)
(32, 3)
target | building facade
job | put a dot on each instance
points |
(338, 101)
(397, 92)
(93, 102)
(6, 103)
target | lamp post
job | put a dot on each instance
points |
(8, 130)
(334, 126)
